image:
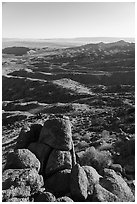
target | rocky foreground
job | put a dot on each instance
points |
(43, 167)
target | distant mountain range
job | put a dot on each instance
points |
(88, 50)
(59, 42)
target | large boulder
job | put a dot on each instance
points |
(93, 177)
(116, 185)
(22, 159)
(28, 135)
(56, 132)
(45, 197)
(64, 199)
(103, 195)
(59, 183)
(24, 179)
(58, 160)
(42, 152)
(78, 183)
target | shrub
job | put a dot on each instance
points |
(82, 145)
(95, 158)
(125, 148)
(105, 146)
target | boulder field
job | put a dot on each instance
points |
(43, 168)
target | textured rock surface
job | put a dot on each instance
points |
(58, 160)
(64, 199)
(56, 132)
(93, 177)
(59, 183)
(78, 183)
(45, 197)
(102, 195)
(41, 151)
(20, 192)
(116, 185)
(21, 178)
(16, 199)
(21, 159)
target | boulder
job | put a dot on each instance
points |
(22, 178)
(93, 177)
(64, 199)
(42, 152)
(116, 185)
(28, 135)
(58, 160)
(103, 195)
(56, 132)
(59, 183)
(21, 159)
(78, 183)
(44, 197)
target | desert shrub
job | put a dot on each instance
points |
(105, 146)
(76, 136)
(87, 137)
(95, 158)
(125, 148)
(81, 145)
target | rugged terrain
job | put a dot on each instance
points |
(92, 84)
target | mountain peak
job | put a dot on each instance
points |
(121, 43)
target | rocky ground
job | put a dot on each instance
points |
(93, 85)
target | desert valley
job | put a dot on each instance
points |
(93, 84)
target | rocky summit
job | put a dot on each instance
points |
(44, 167)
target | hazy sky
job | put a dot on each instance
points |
(60, 19)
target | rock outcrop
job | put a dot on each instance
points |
(43, 168)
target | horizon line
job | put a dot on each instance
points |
(64, 37)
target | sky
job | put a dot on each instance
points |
(68, 20)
